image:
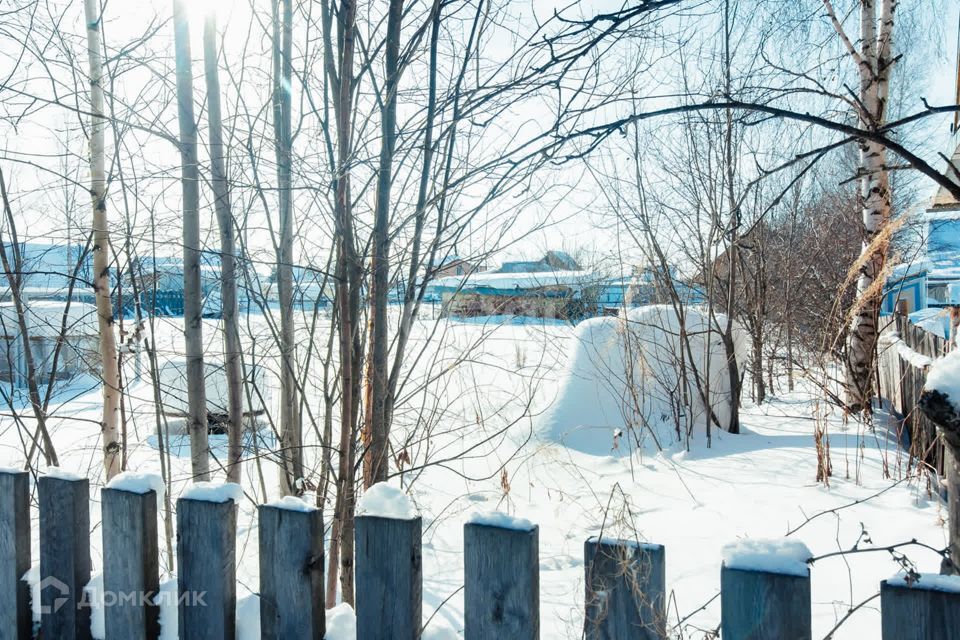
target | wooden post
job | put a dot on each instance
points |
(625, 590)
(759, 605)
(206, 558)
(16, 621)
(291, 574)
(131, 573)
(64, 557)
(501, 582)
(389, 578)
(918, 612)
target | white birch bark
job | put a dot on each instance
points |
(874, 62)
(101, 248)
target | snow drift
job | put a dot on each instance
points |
(640, 372)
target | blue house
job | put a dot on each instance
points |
(925, 286)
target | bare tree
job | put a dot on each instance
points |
(233, 349)
(192, 294)
(101, 248)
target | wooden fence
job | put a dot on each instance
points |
(625, 585)
(904, 355)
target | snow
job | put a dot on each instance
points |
(913, 357)
(489, 387)
(931, 581)
(248, 617)
(169, 614)
(341, 623)
(32, 578)
(944, 376)
(13, 470)
(62, 474)
(93, 594)
(138, 482)
(385, 501)
(213, 492)
(292, 503)
(625, 542)
(611, 356)
(500, 519)
(781, 555)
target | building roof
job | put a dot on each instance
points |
(510, 282)
(943, 199)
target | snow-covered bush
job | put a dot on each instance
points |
(641, 373)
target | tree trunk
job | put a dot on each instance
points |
(348, 276)
(101, 249)
(228, 254)
(874, 64)
(192, 303)
(376, 425)
(13, 276)
(290, 424)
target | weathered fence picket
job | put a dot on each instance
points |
(501, 582)
(64, 557)
(291, 574)
(625, 590)
(15, 615)
(389, 577)
(762, 605)
(919, 611)
(625, 581)
(206, 559)
(131, 573)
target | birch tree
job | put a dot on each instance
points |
(110, 366)
(874, 62)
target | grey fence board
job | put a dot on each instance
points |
(759, 605)
(389, 578)
(501, 583)
(15, 616)
(64, 557)
(625, 590)
(918, 613)
(131, 573)
(206, 559)
(291, 574)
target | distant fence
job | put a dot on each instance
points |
(905, 353)
(625, 586)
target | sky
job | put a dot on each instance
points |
(570, 200)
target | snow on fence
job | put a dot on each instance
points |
(765, 586)
(905, 353)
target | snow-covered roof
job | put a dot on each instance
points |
(939, 266)
(943, 198)
(44, 317)
(494, 280)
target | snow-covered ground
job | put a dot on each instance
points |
(486, 450)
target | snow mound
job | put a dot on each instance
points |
(773, 556)
(62, 474)
(944, 376)
(341, 623)
(213, 492)
(292, 503)
(625, 542)
(137, 482)
(500, 519)
(929, 581)
(638, 371)
(384, 501)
